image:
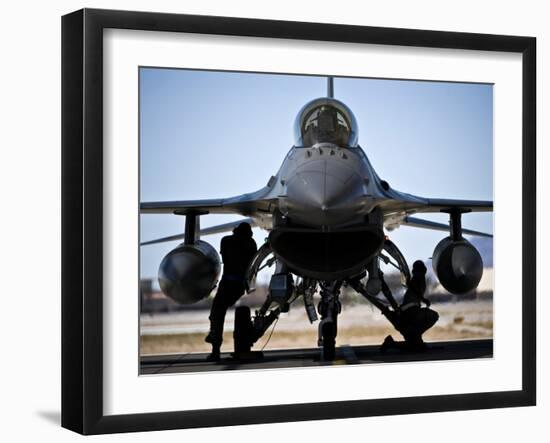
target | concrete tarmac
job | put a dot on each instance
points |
(292, 358)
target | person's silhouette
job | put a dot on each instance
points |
(413, 320)
(237, 251)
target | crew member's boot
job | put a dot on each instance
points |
(216, 346)
(215, 354)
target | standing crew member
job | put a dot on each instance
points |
(237, 252)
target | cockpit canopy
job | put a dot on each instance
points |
(325, 120)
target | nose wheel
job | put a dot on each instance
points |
(329, 308)
(328, 334)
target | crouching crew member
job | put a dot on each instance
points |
(413, 320)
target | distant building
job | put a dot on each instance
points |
(487, 282)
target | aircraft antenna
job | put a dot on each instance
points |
(330, 87)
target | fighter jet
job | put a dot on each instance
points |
(326, 211)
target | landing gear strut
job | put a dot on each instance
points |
(329, 308)
(376, 283)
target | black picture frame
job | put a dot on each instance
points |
(82, 240)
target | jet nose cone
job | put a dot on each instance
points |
(324, 193)
(318, 189)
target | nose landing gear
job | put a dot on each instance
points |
(283, 291)
(329, 308)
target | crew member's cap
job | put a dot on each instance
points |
(419, 266)
(243, 229)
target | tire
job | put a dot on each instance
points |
(242, 334)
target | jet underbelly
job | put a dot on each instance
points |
(327, 255)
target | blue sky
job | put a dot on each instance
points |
(219, 134)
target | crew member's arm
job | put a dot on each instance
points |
(223, 248)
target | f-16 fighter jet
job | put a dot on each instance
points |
(326, 211)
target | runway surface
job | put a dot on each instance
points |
(292, 358)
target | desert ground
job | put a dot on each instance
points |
(358, 324)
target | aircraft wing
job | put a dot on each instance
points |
(402, 202)
(218, 229)
(442, 205)
(428, 224)
(245, 204)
